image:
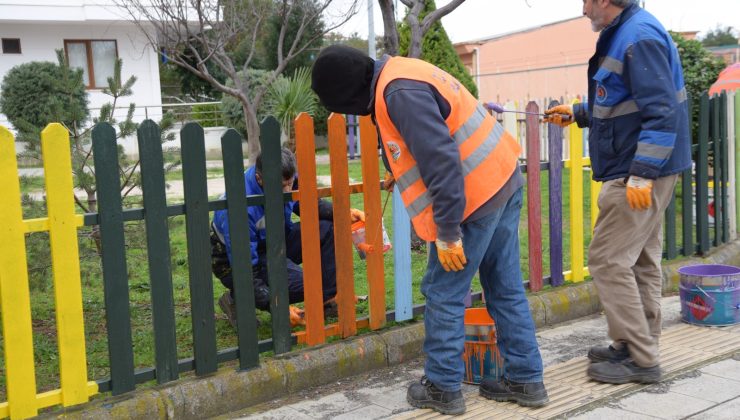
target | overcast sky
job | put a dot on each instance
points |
(485, 18)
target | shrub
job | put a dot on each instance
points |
(208, 115)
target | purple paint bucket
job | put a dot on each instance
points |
(710, 294)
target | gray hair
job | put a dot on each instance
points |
(622, 3)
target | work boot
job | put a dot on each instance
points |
(623, 372)
(227, 304)
(331, 310)
(608, 354)
(424, 394)
(525, 394)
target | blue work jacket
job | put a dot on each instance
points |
(637, 110)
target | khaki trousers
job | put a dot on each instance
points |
(624, 261)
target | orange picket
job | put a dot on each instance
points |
(342, 224)
(373, 222)
(310, 240)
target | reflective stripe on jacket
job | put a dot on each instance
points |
(488, 154)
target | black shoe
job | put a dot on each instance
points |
(226, 303)
(524, 394)
(608, 354)
(331, 310)
(424, 394)
(621, 373)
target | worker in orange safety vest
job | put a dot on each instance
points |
(457, 173)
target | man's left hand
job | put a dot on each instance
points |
(639, 192)
(451, 255)
(356, 215)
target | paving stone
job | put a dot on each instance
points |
(727, 411)
(367, 412)
(611, 414)
(390, 397)
(280, 414)
(707, 387)
(669, 405)
(729, 369)
(329, 406)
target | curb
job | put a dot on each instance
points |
(229, 390)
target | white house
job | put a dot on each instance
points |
(92, 34)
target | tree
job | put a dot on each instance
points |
(290, 97)
(438, 50)
(700, 70)
(720, 36)
(206, 29)
(418, 25)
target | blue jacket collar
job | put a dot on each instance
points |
(253, 187)
(623, 17)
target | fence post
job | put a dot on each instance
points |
(687, 244)
(195, 185)
(555, 138)
(113, 248)
(724, 176)
(277, 269)
(342, 224)
(15, 298)
(737, 150)
(241, 268)
(702, 177)
(65, 263)
(534, 207)
(310, 238)
(576, 202)
(373, 222)
(158, 250)
(731, 165)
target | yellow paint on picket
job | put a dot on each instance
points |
(576, 201)
(15, 298)
(65, 264)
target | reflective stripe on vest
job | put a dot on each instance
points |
(488, 154)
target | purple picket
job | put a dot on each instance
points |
(534, 201)
(555, 137)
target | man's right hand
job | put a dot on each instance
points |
(388, 182)
(561, 115)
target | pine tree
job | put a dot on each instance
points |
(438, 50)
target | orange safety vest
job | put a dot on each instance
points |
(488, 153)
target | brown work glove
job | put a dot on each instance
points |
(561, 115)
(451, 255)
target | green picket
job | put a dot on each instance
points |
(158, 250)
(716, 169)
(199, 247)
(723, 132)
(277, 270)
(687, 211)
(241, 267)
(670, 229)
(113, 256)
(702, 178)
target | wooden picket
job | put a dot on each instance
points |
(534, 198)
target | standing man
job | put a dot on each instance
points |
(638, 141)
(457, 172)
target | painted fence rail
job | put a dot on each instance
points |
(715, 152)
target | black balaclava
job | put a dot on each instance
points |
(341, 77)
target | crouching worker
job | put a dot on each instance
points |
(221, 255)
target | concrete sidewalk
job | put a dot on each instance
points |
(705, 387)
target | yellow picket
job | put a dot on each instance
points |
(14, 293)
(576, 202)
(65, 264)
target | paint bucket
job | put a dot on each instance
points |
(481, 355)
(358, 238)
(710, 294)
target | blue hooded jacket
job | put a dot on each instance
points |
(637, 110)
(257, 232)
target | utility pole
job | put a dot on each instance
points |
(370, 30)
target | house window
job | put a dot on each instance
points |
(96, 58)
(11, 46)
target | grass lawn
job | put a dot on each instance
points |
(42, 299)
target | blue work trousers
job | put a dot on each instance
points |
(492, 247)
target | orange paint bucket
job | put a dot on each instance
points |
(481, 355)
